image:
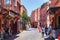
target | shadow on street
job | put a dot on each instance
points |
(11, 37)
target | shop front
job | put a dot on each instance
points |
(3, 15)
(54, 13)
(6, 19)
(14, 24)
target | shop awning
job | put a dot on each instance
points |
(15, 13)
(53, 9)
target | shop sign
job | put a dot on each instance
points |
(11, 14)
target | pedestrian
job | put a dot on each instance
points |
(53, 33)
(43, 31)
(39, 28)
(10, 27)
(6, 32)
(49, 29)
(2, 33)
(10, 31)
(27, 26)
(46, 30)
(50, 37)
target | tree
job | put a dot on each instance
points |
(25, 17)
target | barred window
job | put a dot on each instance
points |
(7, 1)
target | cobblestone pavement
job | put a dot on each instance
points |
(31, 34)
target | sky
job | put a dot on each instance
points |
(31, 5)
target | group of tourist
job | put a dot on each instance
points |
(28, 25)
(48, 31)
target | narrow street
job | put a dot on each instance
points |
(31, 34)
(19, 19)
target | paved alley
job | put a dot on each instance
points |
(32, 34)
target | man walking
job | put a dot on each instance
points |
(46, 30)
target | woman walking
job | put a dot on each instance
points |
(39, 28)
(43, 31)
(46, 30)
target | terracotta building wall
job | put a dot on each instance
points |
(1, 2)
(12, 7)
(32, 16)
(23, 9)
(55, 3)
(35, 14)
(39, 16)
(43, 14)
(19, 1)
(16, 8)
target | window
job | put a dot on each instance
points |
(15, 2)
(7, 1)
